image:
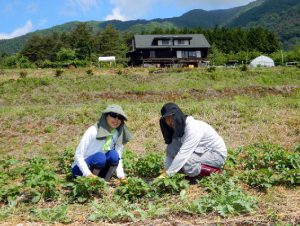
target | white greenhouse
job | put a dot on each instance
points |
(262, 61)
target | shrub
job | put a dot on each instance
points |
(244, 67)
(59, 72)
(89, 72)
(23, 74)
(211, 69)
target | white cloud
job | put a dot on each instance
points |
(18, 31)
(83, 5)
(129, 9)
(115, 15)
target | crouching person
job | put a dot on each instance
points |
(193, 146)
(99, 152)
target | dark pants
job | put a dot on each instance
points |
(100, 161)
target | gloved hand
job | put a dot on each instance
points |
(123, 180)
(162, 175)
(92, 176)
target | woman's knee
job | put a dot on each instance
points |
(97, 160)
(113, 157)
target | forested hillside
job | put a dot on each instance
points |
(279, 16)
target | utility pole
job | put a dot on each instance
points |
(281, 57)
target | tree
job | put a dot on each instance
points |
(82, 41)
(110, 43)
(66, 54)
(39, 48)
(217, 57)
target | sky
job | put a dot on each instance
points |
(18, 17)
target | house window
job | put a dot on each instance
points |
(188, 54)
(152, 54)
(181, 42)
(165, 42)
(192, 53)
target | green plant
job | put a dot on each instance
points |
(172, 185)
(89, 72)
(261, 179)
(224, 197)
(290, 177)
(266, 165)
(130, 160)
(65, 160)
(41, 179)
(150, 166)
(134, 188)
(86, 188)
(5, 212)
(49, 129)
(23, 74)
(119, 72)
(59, 72)
(211, 69)
(7, 163)
(51, 215)
(9, 194)
(244, 68)
(116, 210)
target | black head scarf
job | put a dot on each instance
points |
(179, 122)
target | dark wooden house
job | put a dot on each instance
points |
(169, 50)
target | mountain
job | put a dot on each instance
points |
(280, 16)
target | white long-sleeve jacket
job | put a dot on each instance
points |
(89, 145)
(198, 137)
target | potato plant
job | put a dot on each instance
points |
(65, 160)
(149, 166)
(266, 165)
(224, 197)
(135, 188)
(170, 185)
(84, 189)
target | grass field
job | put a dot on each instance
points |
(257, 110)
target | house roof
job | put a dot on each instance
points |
(145, 41)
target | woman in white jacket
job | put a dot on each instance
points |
(193, 146)
(99, 152)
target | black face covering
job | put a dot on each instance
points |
(179, 122)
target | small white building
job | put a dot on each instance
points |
(262, 61)
(110, 59)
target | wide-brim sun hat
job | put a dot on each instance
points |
(115, 109)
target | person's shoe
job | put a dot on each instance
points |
(206, 170)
